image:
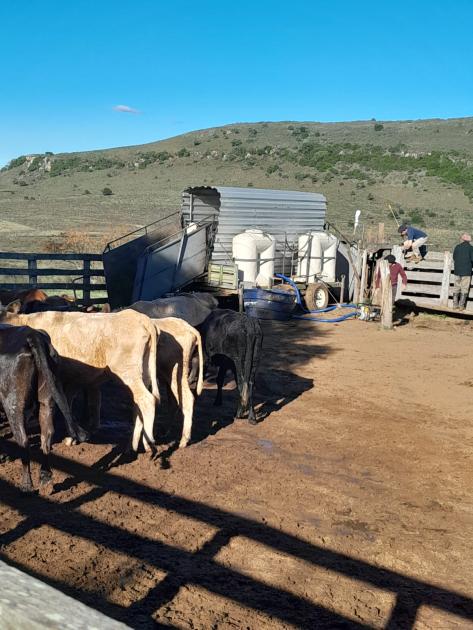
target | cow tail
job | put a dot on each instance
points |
(253, 347)
(152, 360)
(44, 355)
(258, 333)
(200, 380)
(248, 364)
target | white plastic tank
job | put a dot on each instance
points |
(317, 256)
(253, 252)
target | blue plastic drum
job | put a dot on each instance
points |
(269, 303)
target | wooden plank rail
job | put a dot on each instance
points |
(81, 274)
(42, 256)
(430, 282)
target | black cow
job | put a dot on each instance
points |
(28, 364)
(233, 341)
(194, 308)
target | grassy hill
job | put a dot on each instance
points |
(423, 168)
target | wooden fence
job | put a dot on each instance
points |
(81, 274)
(429, 283)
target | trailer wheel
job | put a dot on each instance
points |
(316, 296)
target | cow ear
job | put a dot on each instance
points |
(14, 307)
(106, 308)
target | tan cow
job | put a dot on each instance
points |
(95, 346)
(177, 342)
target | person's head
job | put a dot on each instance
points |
(390, 258)
(402, 229)
(465, 238)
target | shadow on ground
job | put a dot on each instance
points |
(202, 568)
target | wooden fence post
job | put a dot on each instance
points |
(380, 232)
(386, 296)
(32, 266)
(447, 270)
(86, 283)
(364, 270)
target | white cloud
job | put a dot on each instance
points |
(126, 109)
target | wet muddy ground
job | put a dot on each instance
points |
(349, 505)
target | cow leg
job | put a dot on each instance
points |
(193, 374)
(251, 410)
(172, 396)
(245, 388)
(94, 400)
(137, 433)
(187, 407)
(46, 408)
(17, 425)
(222, 370)
(145, 404)
(70, 390)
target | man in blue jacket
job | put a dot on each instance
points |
(462, 265)
(414, 240)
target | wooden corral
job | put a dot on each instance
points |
(429, 282)
(81, 274)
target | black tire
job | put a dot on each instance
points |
(316, 296)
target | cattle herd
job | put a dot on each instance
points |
(51, 350)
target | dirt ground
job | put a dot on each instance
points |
(349, 505)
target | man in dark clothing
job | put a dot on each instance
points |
(414, 240)
(462, 265)
(395, 270)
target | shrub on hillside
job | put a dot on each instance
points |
(378, 127)
(16, 162)
(107, 191)
(300, 132)
(183, 153)
(416, 218)
(60, 166)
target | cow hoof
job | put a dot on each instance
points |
(45, 477)
(27, 488)
(252, 420)
(183, 443)
(46, 486)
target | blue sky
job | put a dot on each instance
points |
(189, 65)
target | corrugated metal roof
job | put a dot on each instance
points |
(285, 214)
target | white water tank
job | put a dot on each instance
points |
(253, 252)
(317, 256)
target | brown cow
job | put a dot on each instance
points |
(95, 346)
(177, 342)
(24, 296)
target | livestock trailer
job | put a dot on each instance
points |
(195, 247)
